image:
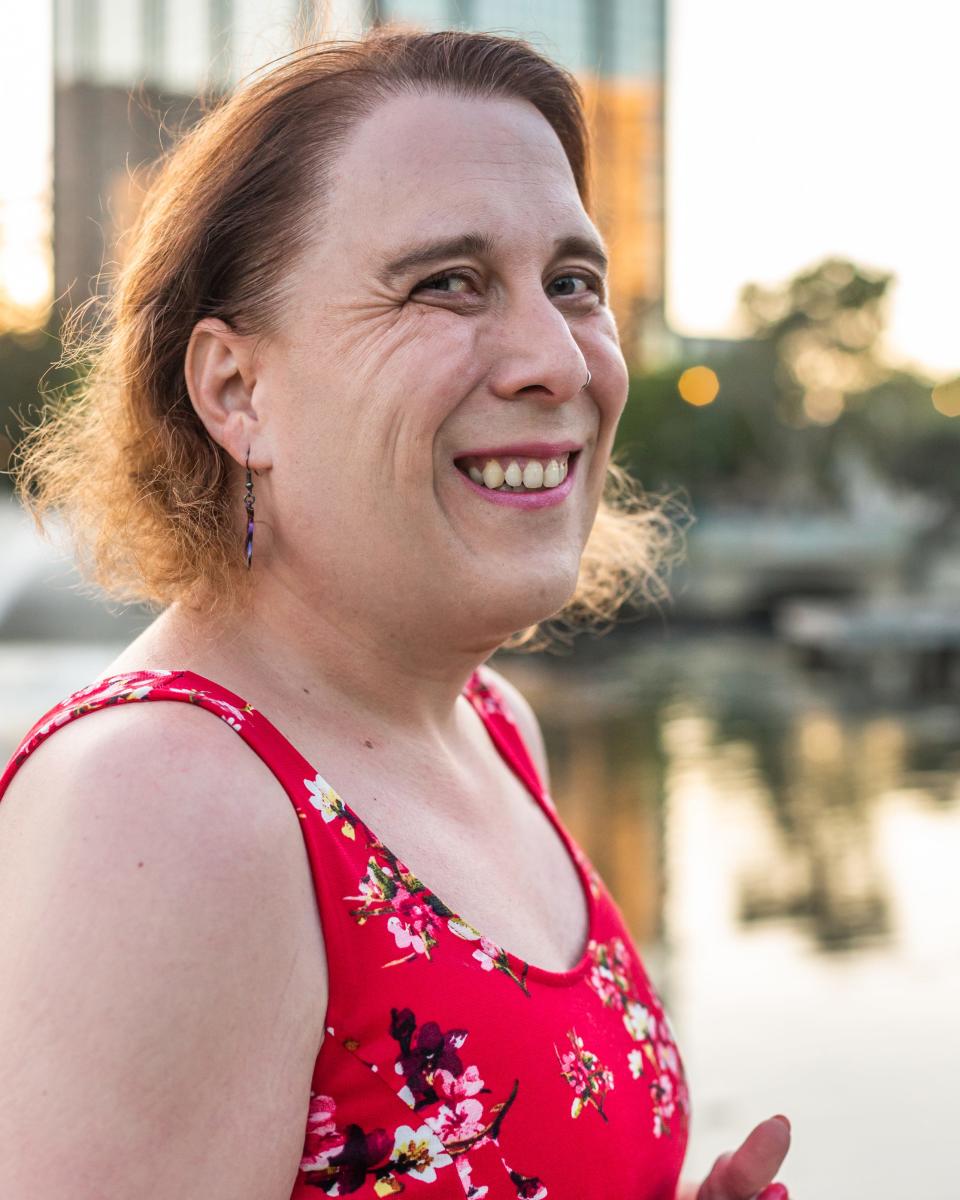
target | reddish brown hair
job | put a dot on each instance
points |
(150, 499)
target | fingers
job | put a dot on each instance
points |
(748, 1170)
(776, 1191)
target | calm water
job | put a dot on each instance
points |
(785, 850)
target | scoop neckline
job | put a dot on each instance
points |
(529, 970)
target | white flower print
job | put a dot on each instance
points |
(639, 1021)
(324, 798)
(420, 1151)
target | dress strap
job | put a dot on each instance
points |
(488, 701)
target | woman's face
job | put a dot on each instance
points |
(444, 318)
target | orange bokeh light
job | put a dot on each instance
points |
(946, 398)
(698, 386)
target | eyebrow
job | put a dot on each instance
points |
(479, 244)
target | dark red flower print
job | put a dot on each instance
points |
(528, 1187)
(403, 1025)
(424, 1052)
(347, 1169)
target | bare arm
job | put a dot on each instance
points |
(154, 1034)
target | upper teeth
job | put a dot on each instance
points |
(535, 474)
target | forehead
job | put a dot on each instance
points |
(435, 163)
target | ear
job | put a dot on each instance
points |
(220, 374)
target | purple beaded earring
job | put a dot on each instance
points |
(248, 501)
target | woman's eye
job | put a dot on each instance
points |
(590, 281)
(437, 283)
(456, 283)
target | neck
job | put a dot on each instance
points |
(405, 680)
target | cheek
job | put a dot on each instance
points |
(612, 381)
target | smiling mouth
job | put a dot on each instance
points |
(517, 473)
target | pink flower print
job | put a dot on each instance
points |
(588, 1077)
(458, 1124)
(487, 955)
(488, 703)
(418, 1152)
(664, 1087)
(323, 1139)
(120, 689)
(610, 973)
(662, 1095)
(655, 1056)
(414, 915)
(415, 922)
(602, 981)
(451, 1087)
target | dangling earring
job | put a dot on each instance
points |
(248, 501)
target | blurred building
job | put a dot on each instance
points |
(128, 73)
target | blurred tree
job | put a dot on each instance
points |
(800, 399)
(718, 450)
(825, 325)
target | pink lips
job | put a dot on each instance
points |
(542, 499)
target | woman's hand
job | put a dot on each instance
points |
(746, 1174)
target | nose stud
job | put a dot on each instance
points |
(587, 383)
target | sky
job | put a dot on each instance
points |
(797, 131)
(794, 131)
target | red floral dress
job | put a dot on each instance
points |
(451, 1067)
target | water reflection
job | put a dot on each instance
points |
(797, 778)
(784, 847)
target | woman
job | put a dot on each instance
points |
(363, 321)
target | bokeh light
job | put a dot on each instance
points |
(946, 398)
(698, 386)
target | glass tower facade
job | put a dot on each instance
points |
(165, 53)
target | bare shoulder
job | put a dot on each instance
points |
(154, 976)
(170, 770)
(525, 718)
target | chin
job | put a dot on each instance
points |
(524, 600)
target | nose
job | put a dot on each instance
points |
(535, 353)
